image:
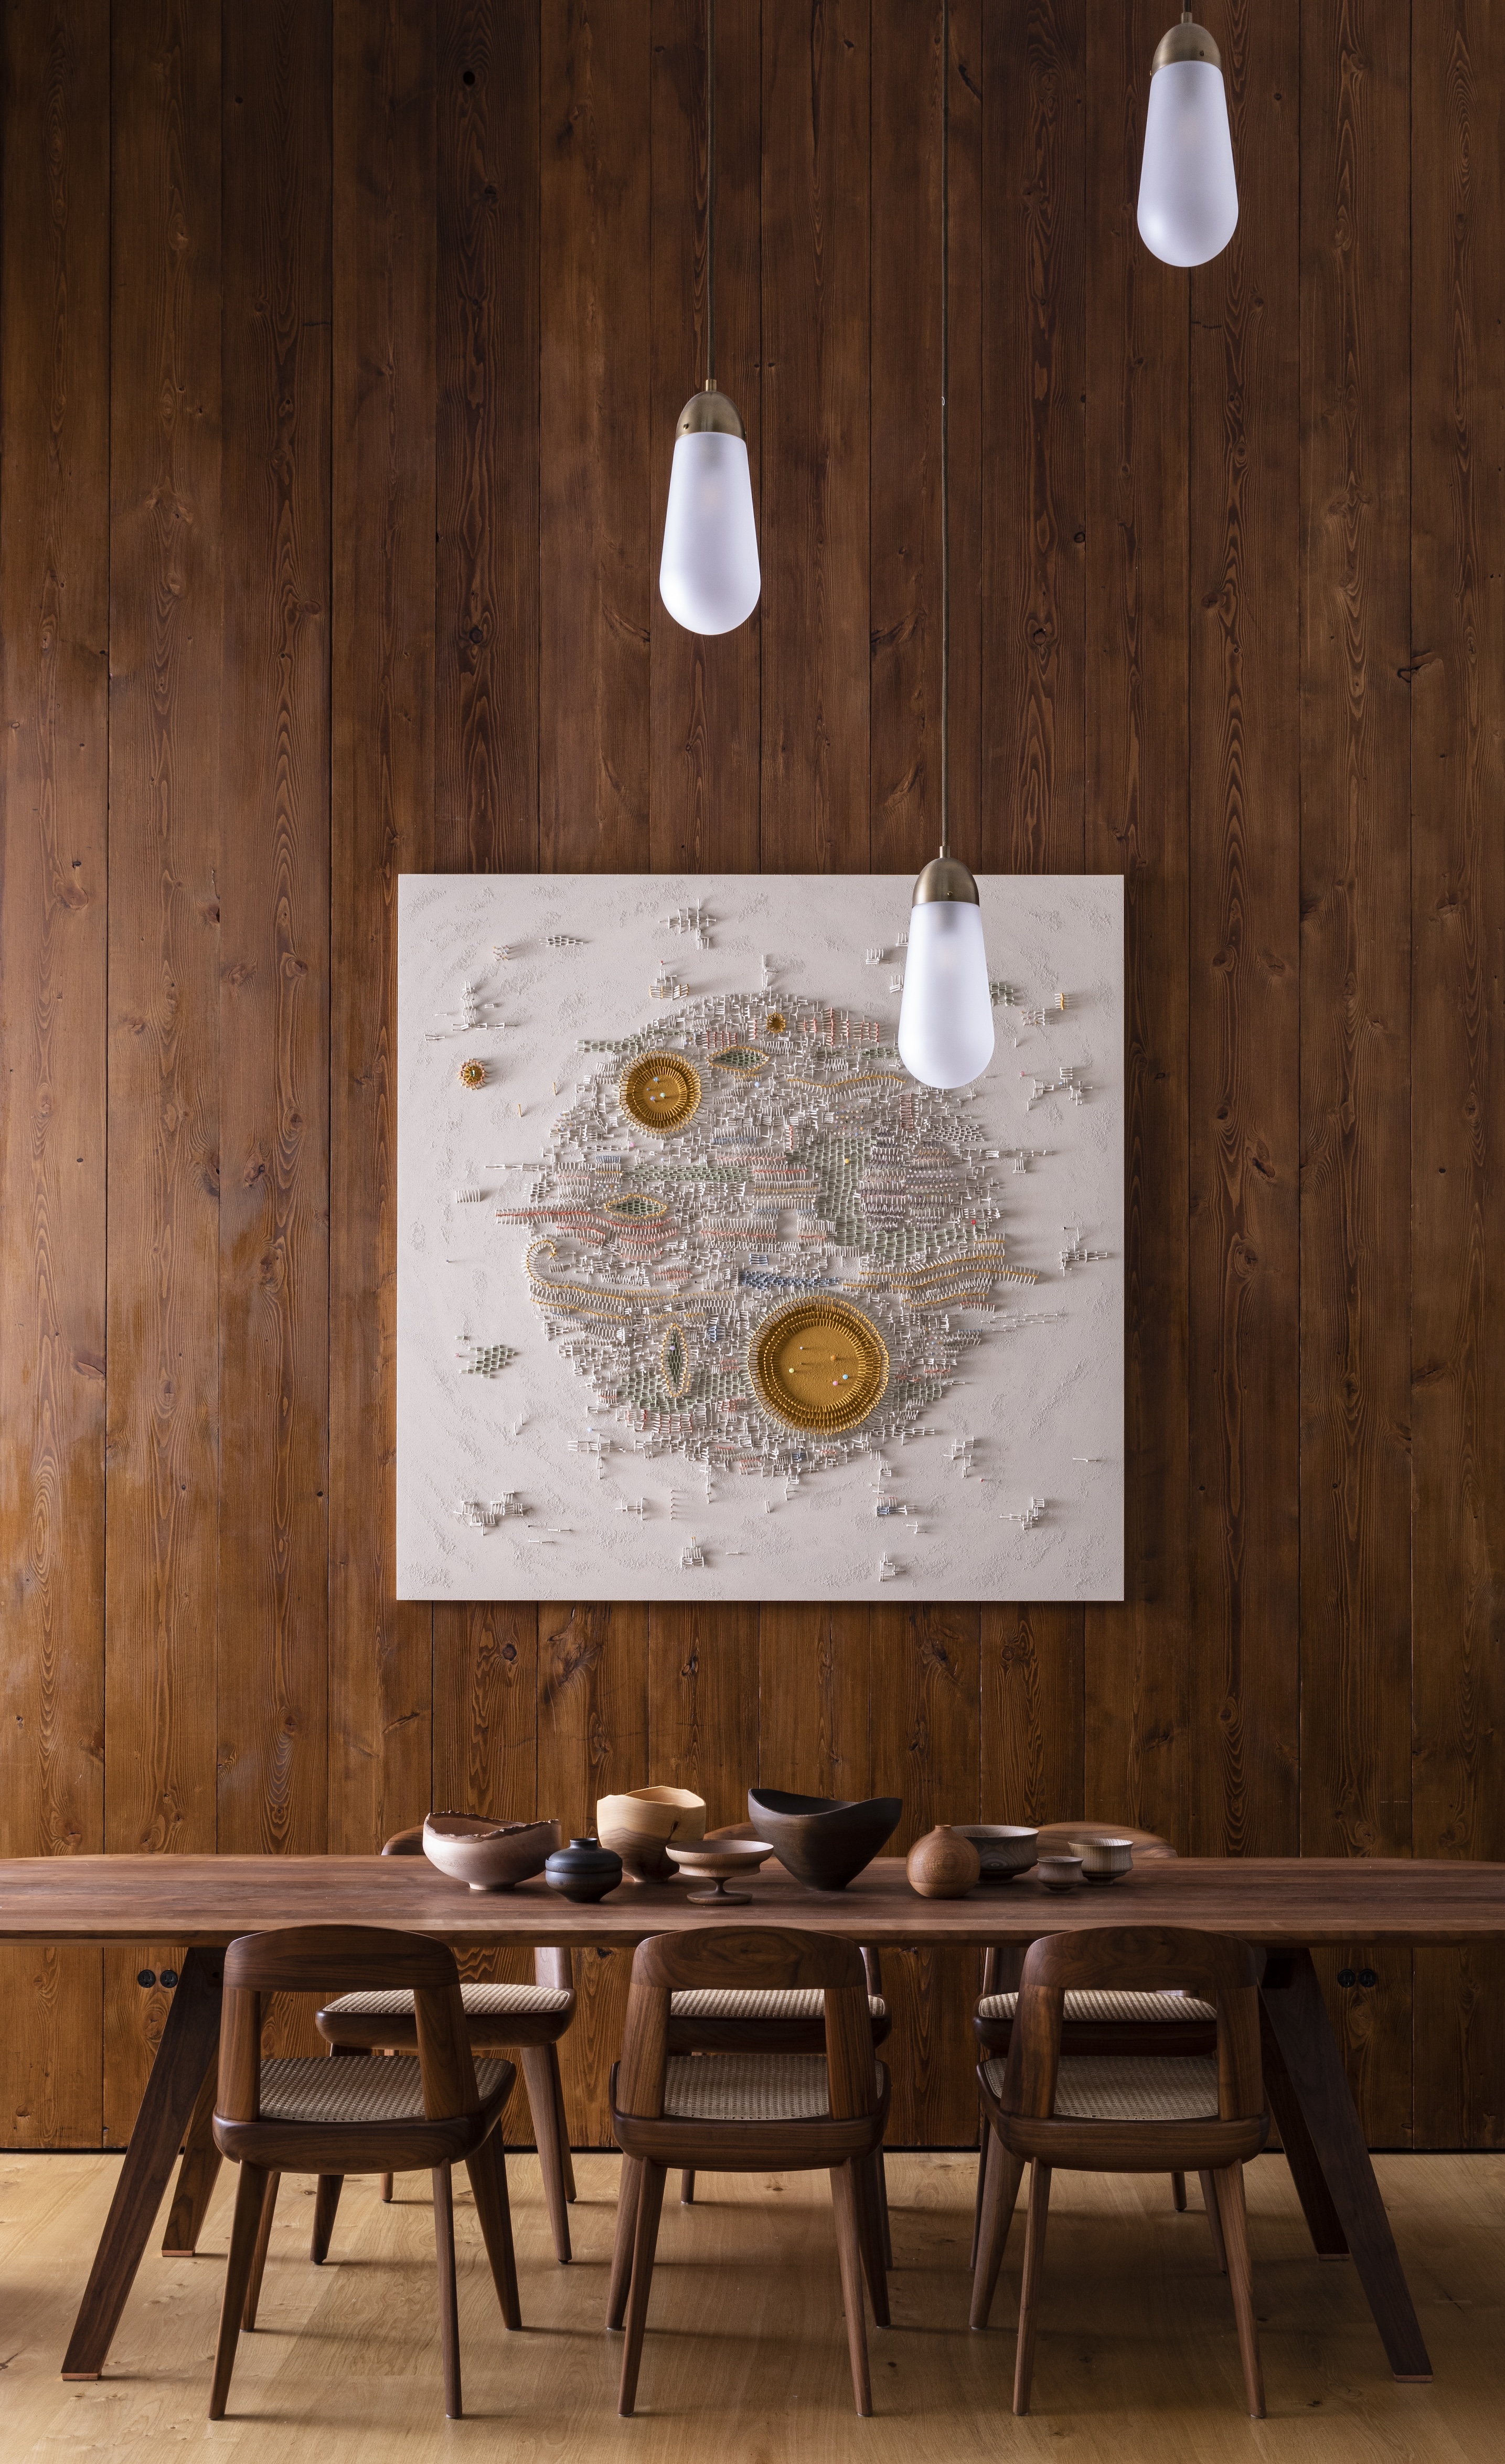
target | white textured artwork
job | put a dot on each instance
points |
(700, 1295)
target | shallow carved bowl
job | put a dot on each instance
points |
(823, 1840)
(640, 1823)
(709, 1857)
(487, 1855)
(1004, 1848)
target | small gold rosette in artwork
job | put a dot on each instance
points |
(661, 1092)
(818, 1365)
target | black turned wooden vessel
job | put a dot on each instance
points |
(823, 1840)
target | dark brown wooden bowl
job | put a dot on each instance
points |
(823, 1840)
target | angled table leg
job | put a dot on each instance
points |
(189, 2044)
(197, 2175)
(1328, 2136)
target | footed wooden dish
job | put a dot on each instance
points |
(719, 1864)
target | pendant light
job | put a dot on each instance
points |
(945, 1019)
(708, 576)
(1189, 194)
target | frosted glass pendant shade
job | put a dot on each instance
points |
(709, 578)
(945, 1019)
(1189, 194)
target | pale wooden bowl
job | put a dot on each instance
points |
(487, 1855)
(640, 1823)
(718, 1865)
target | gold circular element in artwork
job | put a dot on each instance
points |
(775, 1023)
(473, 1074)
(661, 1091)
(818, 1365)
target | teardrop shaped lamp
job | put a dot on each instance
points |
(709, 577)
(1189, 190)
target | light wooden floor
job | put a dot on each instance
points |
(745, 2358)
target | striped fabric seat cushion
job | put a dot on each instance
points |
(482, 2002)
(759, 2003)
(749, 2087)
(1127, 2087)
(1148, 2007)
(337, 2089)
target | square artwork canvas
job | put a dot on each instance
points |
(700, 1295)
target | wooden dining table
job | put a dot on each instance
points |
(1284, 1907)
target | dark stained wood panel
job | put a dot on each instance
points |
(1355, 990)
(272, 878)
(1134, 1685)
(1456, 672)
(54, 917)
(340, 351)
(1238, 1784)
(382, 824)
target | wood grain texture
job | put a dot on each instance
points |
(1355, 983)
(1455, 672)
(1239, 1785)
(702, 1704)
(382, 824)
(274, 897)
(1136, 1707)
(53, 914)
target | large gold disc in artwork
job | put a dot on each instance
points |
(819, 1365)
(661, 1091)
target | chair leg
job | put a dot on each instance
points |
(687, 2188)
(448, 2302)
(1178, 2192)
(250, 2200)
(326, 2199)
(984, 2144)
(386, 2189)
(881, 2172)
(644, 2241)
(1209, 2200)
(1228, 2186)
(251, 2302)
(562, 2123)
(844, 2199)
(1001, 2182)
(864, 2172)
(1033, 2277)
(540, 2081)
(627, 2189)
(488, 2173)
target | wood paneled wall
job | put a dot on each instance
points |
(340, 346)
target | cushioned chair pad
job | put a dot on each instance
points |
(760, 2003)
(749, 2087)
(1125, 2087)
(1176, 2009)
(387, 2088)
(482, 2002)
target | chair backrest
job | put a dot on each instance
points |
(1136, 1959)
(552, 1964)
(740, 1958)
(345, 1959)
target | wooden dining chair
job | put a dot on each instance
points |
(1121, 2113)
(1152, 2024)
(333, 2118)
(748, 2113)
(750, 2019)
(527, 2020)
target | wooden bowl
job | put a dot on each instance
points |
(716, 1864)
(640, 1823)
(823, 1841)
(1004, 1849)
(487, 1855)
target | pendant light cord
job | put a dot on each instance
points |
(709, 196)
(945, 417)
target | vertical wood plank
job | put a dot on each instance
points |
(704, 707)
(592, 1739)
(1455, 670)
(595, 497)
(702, 1704)
(816, 72)
(815, 1729)
(166, 685)
(54, 917)
(1135, 1709)
(1239, 1784)
(382, 824)
(274, 895)
(486, 706)
(1355, 985)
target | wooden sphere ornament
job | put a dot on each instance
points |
(943, 1866)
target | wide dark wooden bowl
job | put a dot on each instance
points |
(823, 1840)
